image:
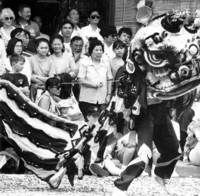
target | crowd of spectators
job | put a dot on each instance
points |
(84, 59)
(71, 67)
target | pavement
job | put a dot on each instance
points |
(30, 185)
(185, 182)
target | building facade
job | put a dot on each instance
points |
(115, 12)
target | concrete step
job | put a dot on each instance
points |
(185, 169)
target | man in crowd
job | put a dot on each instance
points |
(125, 35)
(24, 22)
(73, 17)
(76, 48)
(109, 34)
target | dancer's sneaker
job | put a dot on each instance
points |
(119, 192)
(97, 170)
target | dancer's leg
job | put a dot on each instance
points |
(144, 127)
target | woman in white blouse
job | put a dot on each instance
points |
(95, 78)
(7, 17)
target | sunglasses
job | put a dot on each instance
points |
(57, 87)
(95, 16)
(9, 18)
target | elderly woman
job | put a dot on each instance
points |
(47, 100)
(7, 17)
(94, 78)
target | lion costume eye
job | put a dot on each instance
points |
(153, 61)
(157, 39)
(184, 71)
(164, 34)
(193, 50)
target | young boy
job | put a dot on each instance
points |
(125, 35)
(119, 49)
(15, 77)
(109, 34)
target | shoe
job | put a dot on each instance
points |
(97, 170)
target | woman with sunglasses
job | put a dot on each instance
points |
(47, 100)
(7, 17)
(92, 29)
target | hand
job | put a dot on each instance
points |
(99, 84)
(124, 143)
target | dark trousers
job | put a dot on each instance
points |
(84, 106)
(154, 125)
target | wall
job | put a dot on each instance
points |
(126, 10)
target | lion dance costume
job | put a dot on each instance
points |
(164, 69)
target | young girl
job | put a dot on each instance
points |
(40, 66)
(119, 49)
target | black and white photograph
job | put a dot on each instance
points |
(100, 97)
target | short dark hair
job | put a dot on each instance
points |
(22, 6)
(93, 10)
(108, 30)
(66, 22)
(119, 44)
(11, 45)
(27, 33)
(15, 58)
(126, 30)
(51, 82)
(53, 37)
(40, 40)
(14, 32)
(68, 13)
(93, 42)
(76, 38)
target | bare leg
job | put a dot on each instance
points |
(112, 168)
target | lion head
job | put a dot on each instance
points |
(167, 49)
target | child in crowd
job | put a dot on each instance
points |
(69, 109)
(15, 76)
(117, 156)
(125, 35)
(119, 49)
